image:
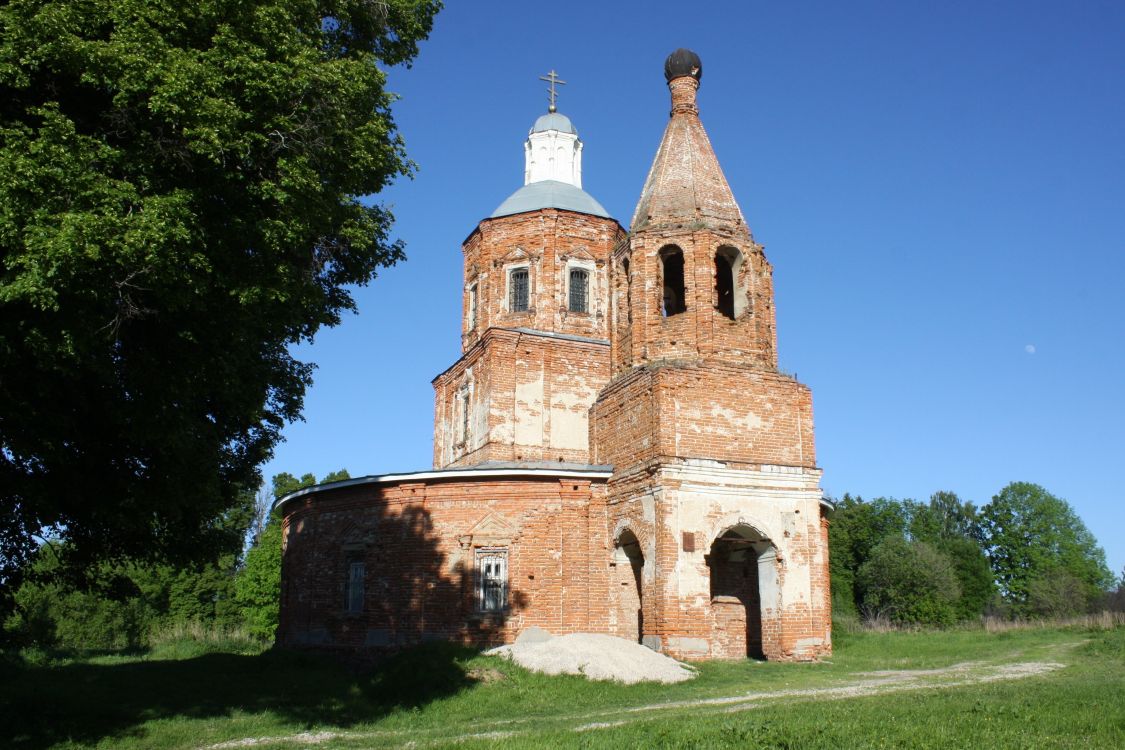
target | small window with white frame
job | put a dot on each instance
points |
(492, 579)
(519, 289)
(465, 406)
(472, 312)
(578, 296)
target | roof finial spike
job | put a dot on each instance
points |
(553, 79)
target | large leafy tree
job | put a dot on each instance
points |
(180, 190)
(1039, 548)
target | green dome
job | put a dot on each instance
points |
(554, 121)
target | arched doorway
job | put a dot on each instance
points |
(628, 566)
(741, 560)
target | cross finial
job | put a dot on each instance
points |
(553, 78)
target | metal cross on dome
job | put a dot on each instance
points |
(553, 78)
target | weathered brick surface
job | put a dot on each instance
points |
(708, 540)
(707, 410)
(706, 437)
(417, 541)
(529, 399)
(529, 376)
(548, 242)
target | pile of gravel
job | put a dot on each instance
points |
(596, 657)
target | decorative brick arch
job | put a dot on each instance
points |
(746, 589)
(627, 589)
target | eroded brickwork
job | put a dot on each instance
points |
(712, 447)
(703, 410)
(528, 396)
(418, 541)
(534, 357)
(629, 460)
(549, 243)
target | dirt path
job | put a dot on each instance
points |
(859, 684)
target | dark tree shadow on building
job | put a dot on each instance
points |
(405, 648)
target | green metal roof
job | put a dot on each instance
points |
(550, 194)
(554, 121)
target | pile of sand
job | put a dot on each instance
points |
(597, 657)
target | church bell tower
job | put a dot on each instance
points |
(715, 494)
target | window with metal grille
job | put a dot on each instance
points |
(518, 290)
(492, 579)
(579, 288)
(354, 597)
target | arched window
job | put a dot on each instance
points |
(675, 301)
(730, 299)
(628, 291)
(472, 315)
(724, 285)
(579, 296)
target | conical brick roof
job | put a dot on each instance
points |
(685, 183)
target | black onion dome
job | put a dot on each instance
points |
(683, 62)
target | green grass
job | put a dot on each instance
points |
(187, 694)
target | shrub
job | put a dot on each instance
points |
(909, 582)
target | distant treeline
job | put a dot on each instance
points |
(1024, 554)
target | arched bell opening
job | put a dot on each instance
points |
(628, 588)
(741, 560)
(672, 268)
(730, 299)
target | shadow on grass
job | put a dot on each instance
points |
(86, 702)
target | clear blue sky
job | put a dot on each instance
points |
(941, 191)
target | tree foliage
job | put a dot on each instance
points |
(944, 517)
(258, 587)
(946, 526)
(120, 604)
(180, 189)
(1036, 544)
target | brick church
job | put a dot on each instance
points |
(615, 451)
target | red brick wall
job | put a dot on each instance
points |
(547, 241)
(643, 334)
(710, 410)
(417, 542)
(530, 399)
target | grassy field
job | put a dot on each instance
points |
(1025, 688)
